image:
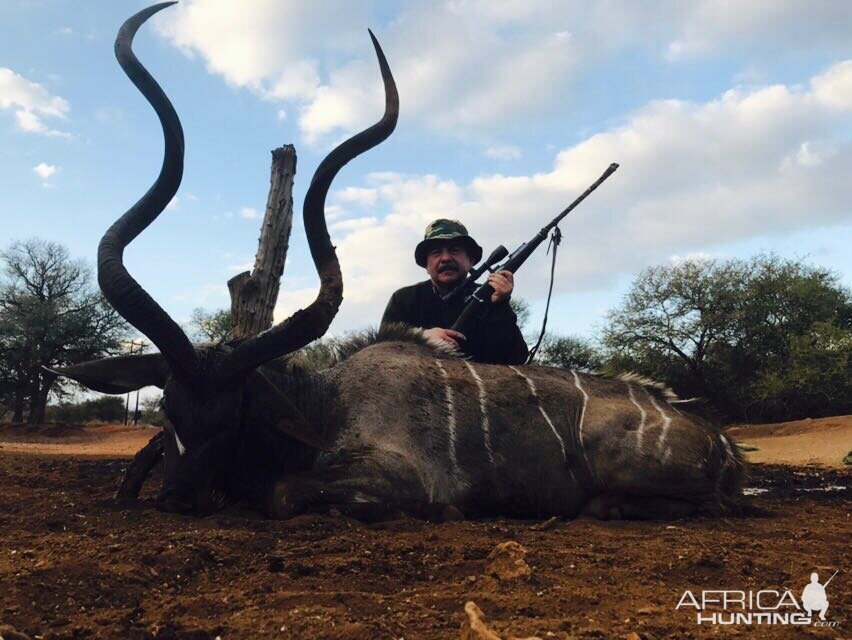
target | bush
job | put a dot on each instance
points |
(151, 411)
(105, 409)
(764, 339)
(569, 352)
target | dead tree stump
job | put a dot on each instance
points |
(253, 294)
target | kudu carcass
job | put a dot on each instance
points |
(395, 424)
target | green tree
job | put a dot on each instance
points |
(103, 409)
(318, 355)
(816, 374)
(570, 352)
(763, 338)
(522, 311)
(210, 326)
(152, 411)
(50, 315)
(675, 314)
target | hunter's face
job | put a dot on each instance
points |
(447, 264)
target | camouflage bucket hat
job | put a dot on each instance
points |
(443, 230)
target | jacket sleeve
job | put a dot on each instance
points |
(502, 339)
(395, 311)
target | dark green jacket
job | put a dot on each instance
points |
(493, 338)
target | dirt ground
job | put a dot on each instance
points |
(89, 441)
(74, 564)
(823, 441)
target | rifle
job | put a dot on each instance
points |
(830, 579)
(482, 295)
(498, 254)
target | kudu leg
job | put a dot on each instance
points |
(368, 498)
(295, 497)
(614, 507)
(135, 474)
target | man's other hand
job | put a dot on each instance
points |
(502, 282)
(437, 335)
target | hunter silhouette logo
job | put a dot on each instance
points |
(814, 598)
(763, 607)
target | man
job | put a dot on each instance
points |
(447, 253)
(814, 598)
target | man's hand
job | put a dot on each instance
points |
(502, 282)
(437, 335)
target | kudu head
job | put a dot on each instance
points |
(205, 387)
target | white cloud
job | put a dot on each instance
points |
(355, 223)
(348, 102)
(703, 27)
(45, 172)
(693, 176)
(264, 45)
(240, 267)
(358, 195)
(314, 55)
(31, 103)
(29, 122)
(750, 75)
(378, 177)
(809, 154)
(477, 77)
(466, 66)
(174, 203)
(297, 80)
(334, 211)
(249, 213)
(833, 88)
(695, 256)
(503, 152)
(292, 300)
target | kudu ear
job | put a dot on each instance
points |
(270, 408)
(120, 374)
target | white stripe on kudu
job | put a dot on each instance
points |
(451, 420)
(583, 411)
(486, 425)
(727, 459)
(666, 421)
(730, 452)
(642, 413)
(181, 449)
(546, 417)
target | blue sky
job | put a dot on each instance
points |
(731, 121)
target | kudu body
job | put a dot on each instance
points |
(416, 429)
(396, 424)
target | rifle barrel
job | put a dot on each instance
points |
(830, 579)
(519, 256)
(606, 174)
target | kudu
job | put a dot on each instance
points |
(395, 424)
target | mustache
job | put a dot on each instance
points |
(448, 266)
